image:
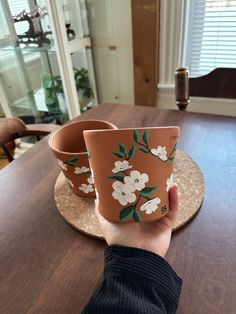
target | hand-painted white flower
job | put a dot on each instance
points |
(150, 206)
(123, 193)
(136, 180)
(121, 166)
(169, 182)
(90, 180)
(79, 170)
(62, 164)
(70, 183)
(160, 152)
(86, 188)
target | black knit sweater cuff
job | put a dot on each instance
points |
(147, 267)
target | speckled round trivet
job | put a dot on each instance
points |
(79, 211)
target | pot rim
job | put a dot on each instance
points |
(61, 129)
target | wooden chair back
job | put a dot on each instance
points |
(219, 83)
(13, 128)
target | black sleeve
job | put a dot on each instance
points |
(135, 281)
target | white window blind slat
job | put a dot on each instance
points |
(213, 36)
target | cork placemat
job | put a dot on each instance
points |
(79, 211)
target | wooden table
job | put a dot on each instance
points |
(48, 267)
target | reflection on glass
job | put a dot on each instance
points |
(83, 80)
(73, 19)
(29, 75)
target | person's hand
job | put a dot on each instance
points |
(151, 236)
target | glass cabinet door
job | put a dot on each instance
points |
(47, 71)
(73, 48)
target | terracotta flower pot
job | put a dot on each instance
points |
(69, 148)
(132, 171)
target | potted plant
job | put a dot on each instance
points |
(83, 88)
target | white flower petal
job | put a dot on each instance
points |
(131, 197)
(144, 178)
(121, 166)
(86, 188)
(136, 180)
(90, 180)
(79, 170)
(123, 193)
(62, 164)
(150, 206)
(154, 151)
(116, 195)
(135, 174)
(163, 158)
(123, 200)
(117, 185)
(160, 152)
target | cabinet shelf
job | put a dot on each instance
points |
(11, 47)
(73, 45)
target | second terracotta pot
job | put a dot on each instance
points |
(132, 171)
(69, 148)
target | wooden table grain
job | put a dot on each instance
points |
(48, 267)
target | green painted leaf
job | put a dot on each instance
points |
(72, 161)
(119, 177)
(127, 212)
(148, 190)
(146, 136)
(119, 154)
(144, 149)
(131, 152)
(123, 149)
(171, 159)
(136, 216)
(136, 135)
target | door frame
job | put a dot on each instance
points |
(146, 38)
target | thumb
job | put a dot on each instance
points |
(173, 203)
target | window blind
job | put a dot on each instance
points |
(212, 39)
